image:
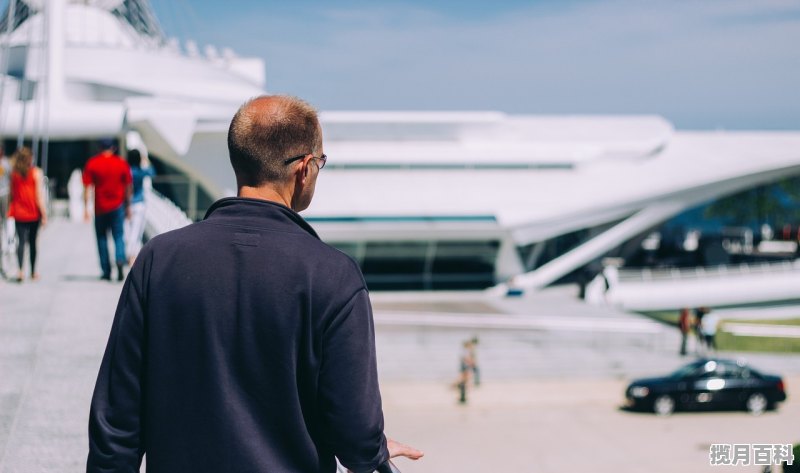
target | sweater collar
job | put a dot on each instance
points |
(258, 213)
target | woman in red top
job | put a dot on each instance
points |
(27, 206)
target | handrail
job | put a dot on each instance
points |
(703, 272)
(162, 214)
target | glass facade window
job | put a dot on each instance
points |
(464, 264)
(395, 265)
(425, 265)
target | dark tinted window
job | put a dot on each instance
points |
(395, 265)
(464, 264)
(733, 370)
(423, 265)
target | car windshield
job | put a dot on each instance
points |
(688, 370)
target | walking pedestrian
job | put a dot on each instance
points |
(244, 343)
(473, 355)
(134, 226)
(709, 329)
(27, 208)
(465, 370)
(110, 176)
(684, 323)
(697, 326)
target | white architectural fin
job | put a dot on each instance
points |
(171, 124)
(594, 248)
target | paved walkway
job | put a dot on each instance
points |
(53, 332)
(52, 335)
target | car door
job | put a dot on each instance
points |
(739, 384)
(708, 388)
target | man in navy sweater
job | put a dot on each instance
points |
(242, 343)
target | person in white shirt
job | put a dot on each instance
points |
(709, 326)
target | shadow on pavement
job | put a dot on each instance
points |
(80, 278)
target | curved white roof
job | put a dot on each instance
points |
(487, 140)
(536, 204)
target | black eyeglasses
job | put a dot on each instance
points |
(323, 159)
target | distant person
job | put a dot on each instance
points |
(697, 326)
(111, 178)
(709, 329)
(685, 325)
(466, 365)
(27, 207)
(5, 191)
(134, 226)
(243, 343)
(473, 354)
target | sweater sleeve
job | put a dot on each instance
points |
(350, 400)
(116, 441)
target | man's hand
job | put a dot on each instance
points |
(397, 449)
(86, 216)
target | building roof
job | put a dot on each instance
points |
(136, 13)
(536, 203)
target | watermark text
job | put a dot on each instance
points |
(744, 454)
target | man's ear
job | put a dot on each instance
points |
(301, 174)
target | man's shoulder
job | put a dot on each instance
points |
(336, 265)
(326, 260)
(91, 162)
(178, 236)
(332, 254)
(98, 163)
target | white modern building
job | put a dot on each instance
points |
(423, 200)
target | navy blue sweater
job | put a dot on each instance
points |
(241, 343)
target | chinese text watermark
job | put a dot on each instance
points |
(750, 454)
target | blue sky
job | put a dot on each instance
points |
(702, 64)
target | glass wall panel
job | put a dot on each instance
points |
(395, 265)
(464, 264)
(425, 265)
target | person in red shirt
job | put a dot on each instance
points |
(27, 207)
(111, 177)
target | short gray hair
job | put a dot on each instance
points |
(262, 138)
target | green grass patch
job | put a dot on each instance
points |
(669, 317)
(727, 341)
(730, 342)
(794, 322)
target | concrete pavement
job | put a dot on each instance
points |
(568, 425)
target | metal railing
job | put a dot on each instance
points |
(162, 214)
(188, 199)
(704, 272)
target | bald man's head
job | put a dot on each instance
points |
(265, 132)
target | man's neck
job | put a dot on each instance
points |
(265, 193)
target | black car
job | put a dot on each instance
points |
(707, 384)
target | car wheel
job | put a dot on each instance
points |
(756, 404)
(664, 405)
